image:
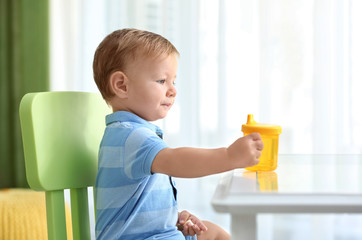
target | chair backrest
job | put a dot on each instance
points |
(61, 134)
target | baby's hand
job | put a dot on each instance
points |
(190, 225)
(245, 151)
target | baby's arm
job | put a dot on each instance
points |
(198, 162)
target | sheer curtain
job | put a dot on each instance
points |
(292, 63)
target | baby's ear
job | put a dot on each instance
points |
(119, 84)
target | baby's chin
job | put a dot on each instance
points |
(155, 115)
(155, 118)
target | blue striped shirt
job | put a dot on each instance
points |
(131, 202)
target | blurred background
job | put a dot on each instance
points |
(292, 63)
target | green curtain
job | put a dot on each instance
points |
(24, 67)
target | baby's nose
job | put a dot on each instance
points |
(171, 91)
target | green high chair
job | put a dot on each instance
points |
(61, 134)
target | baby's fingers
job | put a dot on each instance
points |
(188, 228)
(183, 216)
(197, 230)
(259, 145)
(198, 223)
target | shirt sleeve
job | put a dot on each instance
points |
(140, 149)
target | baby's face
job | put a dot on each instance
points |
(152, 92)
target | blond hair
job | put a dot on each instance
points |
(122, 46)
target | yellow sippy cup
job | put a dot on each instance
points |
(270, 137)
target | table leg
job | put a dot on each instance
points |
(243, 227)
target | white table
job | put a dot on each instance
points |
(300, 184)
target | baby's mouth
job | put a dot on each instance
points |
(167, 104)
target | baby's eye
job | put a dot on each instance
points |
(161, 81)
(174, 83)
